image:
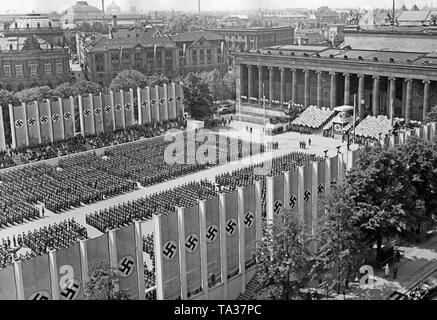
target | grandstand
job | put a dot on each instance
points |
(372, 126)
(312, 119)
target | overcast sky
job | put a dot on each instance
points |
(26, 6)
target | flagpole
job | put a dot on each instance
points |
(355, 116)
(264, 106)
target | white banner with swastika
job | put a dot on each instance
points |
(307, 197)
(249, 223)
(232, 234)
(127, 265)
(69, 273)
(212, 234)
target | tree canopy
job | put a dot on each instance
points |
(197, 97)
(104, 284)
(283, 259)
(128, 79)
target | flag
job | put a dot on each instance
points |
(128, 98)
(87, 113)
(179, 98)
(33, 123)
(57, 120)
(163, 107)
(119, 110)
(8, 290)
(154, 104)
(232, 234)
(17, 115)
(191, 246)
(98, 113)
(108, 119)
(274, 195)
(321, 191)
(144, 105)
(171, 101)
(69, 271)
(68, 117)
(36, 278)
(249, 222)
(213, 241)
(291, 197)
(44, 121)
(307, 197)
(127, 263)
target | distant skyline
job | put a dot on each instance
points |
(27, 6)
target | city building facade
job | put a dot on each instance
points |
(381, 72)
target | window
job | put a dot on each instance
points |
(201, 56)
(194, 56)
(208, 56)
(99, 62)
(126, 59)
(138, 56)
(115, 59)
(7, 70)
(59, 68)
(33, 69)
(19, 70)
(48, 68)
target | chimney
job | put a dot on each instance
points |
(114, 21)
(103, 5)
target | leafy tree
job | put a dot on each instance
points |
(229, 88)
(420, 158)
(127, 79)
(87, 87)
(431, 116)
(65, 90)
(221, 87)
(35, 94)
(197, 97)
(340, 245)
(283, 259)
(157, 80)
(383, 194)
(104, 284)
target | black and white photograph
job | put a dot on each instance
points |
(228, 150)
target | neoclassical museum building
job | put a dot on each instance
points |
(384, 70)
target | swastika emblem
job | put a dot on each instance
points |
(19, 123)
(169, 250)
(161, 101)
(191, 243)
(98, 111)
(153, 101)
(71, 291)
(248, 219)
(337, 127)
(44, 119)
(307, 195)
(333, 181)
(56, 117)
(108, 109)
(117, 107)
(320, 188)
(39, 295)
(211, 233)
(170, 99)
(144, 103)
(231, 226)
(127, 106)
(178, 98)
(277, 206)
(293, 201)
(126, 266)
(67, 115)
(86, 112)
(31, 121)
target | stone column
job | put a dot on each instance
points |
(361, 95)
(307, 88)
(409, 100)
(260, 84)
(319, 89)
(333, 89)
(375, 102)
(270, 85)
(404, 97)
(294, 85)
(282, 85)
(426, 87)
(347, 89)
(392, 96)
(249, 81)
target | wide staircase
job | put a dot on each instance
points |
(251, 289)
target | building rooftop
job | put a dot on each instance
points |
(19, 43)
(192, 36)
(33, 21)
(82, 6)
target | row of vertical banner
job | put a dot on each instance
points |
(201, 247)
(49, 121)
(61, 275)
(160, 103)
